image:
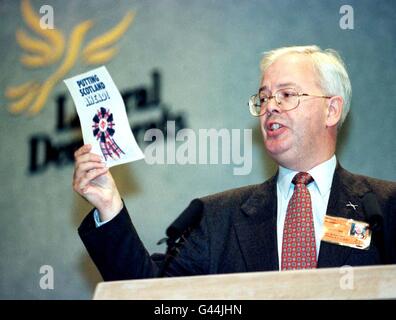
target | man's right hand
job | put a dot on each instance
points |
(93, 181)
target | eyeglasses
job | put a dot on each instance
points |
(286, 98)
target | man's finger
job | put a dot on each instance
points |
(84, 149)
(91, 175)
(84, 167)
(88, 157)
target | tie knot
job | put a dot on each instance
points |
(302, 178)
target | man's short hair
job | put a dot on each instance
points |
(332, 75)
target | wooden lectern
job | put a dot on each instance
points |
(378, 282)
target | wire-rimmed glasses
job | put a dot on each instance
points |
(286, 98)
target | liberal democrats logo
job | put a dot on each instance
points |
(51, 48)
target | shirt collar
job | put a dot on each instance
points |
(322, 175)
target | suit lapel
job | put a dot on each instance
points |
(343, 191)
(256, 228)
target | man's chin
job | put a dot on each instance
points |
(275, 149)
(282, 155)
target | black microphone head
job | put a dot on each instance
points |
(190, 217)
(373, 211)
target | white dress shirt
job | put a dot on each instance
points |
(98, 222)
(319, 190)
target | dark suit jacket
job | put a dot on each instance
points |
(237, 233)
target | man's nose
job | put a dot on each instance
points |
(273, 106)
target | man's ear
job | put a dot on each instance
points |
(334, 110)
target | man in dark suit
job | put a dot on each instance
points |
(303, 99)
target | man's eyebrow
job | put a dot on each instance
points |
(281, 85)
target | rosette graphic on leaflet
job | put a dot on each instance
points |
(103, 130)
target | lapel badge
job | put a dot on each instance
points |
(346, 232)
(354, 206)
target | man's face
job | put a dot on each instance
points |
(301, 138)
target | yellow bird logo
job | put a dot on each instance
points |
(50, 48)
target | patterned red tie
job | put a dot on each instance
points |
(298, 247)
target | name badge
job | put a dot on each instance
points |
(347, 232)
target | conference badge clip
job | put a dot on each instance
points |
(347, 232)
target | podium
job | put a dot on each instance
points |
(374, 282)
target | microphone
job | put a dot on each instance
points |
(190, 217)
(373, 212)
